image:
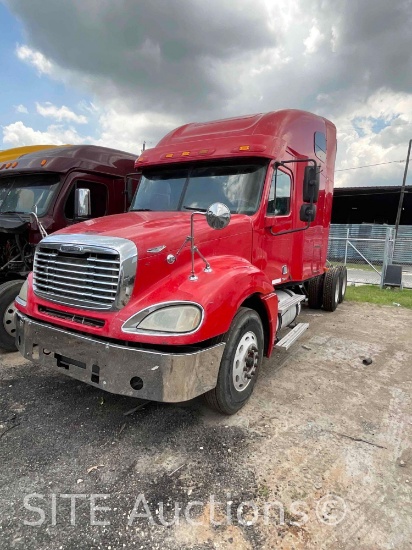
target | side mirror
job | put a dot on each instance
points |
(82, 206)
(218, 215)
(307, 213)
(311, 182)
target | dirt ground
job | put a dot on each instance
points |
(321, 456)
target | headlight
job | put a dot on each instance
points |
(176, 319)
(22, 297)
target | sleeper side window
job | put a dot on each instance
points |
(320, 146)
(280, 194)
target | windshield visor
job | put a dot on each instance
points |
(238, 186)
(22, 194)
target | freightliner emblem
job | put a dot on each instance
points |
(71, 248)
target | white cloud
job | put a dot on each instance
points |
(35, 58)
(123, 130)
(59, 113)
(314, 40)
(18, 134)
(251, 56)
(22, 109)
(374, 132)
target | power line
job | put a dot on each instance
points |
(369, 165)
(355, 195)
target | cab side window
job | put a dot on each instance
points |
(280, 194)
(98, 199)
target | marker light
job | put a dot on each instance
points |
(185, 153)
(250, 148)
(8, 165)
(43, 162)
(169, 155)
(14, 164)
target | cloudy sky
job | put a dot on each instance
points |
(120, 72)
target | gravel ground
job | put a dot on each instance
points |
(321, 456)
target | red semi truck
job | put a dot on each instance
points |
(226, 235)
(42, 189)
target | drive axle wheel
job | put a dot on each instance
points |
(315, 291)
(240, 363)
(331, 289)
(343, 282)
(8, 293)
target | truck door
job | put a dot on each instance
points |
(98, 199)
(278, 219)
(106, 194)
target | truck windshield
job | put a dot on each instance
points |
(239, 186)
(21, 194)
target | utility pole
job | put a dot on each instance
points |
(398, 215)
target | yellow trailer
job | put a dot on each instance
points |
(17, 152)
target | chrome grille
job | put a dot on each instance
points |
(88, 279)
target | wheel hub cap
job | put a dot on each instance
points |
(246, 361)
(8, 320)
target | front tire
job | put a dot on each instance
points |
(8, 293)
(240, 363)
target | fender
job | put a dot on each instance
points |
(220, 293)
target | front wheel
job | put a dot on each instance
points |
(8, 293)
(240, 363)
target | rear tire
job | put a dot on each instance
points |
(343, 282)
(315, 291)
(331, 289)
(8, 293)
(240, 363)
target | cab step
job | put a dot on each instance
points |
(290, 302)
(291, 337)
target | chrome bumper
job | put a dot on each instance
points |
(154, 375)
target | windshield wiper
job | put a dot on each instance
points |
(197, 209)
(141, 210)
(12, 212)
(18, 214)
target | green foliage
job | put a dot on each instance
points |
(375, 295)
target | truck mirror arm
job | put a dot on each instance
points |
(310, 205)
(171, 258)
(283, 162)
(34, 218)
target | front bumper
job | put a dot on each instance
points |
(120, 369)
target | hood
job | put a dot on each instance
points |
(12, 224)
(155, 229)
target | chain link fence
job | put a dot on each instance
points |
(366, 250)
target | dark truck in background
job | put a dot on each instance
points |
(44, 191)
